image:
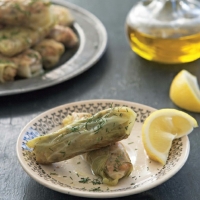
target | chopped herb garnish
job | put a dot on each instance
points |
(84, 180)
(3, 37)
(32, 55)
(53, 174)
(75, 129)
(17, 7)
(130, 142)
(96, 182)
(111, 105)
(96, 189)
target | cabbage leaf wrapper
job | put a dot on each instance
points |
(51, 52)
(65, 35)
(63, 15)
(29, 63)
(14, 40)
(8, 70)
(27, 13)
(111, 163)
(102, 129)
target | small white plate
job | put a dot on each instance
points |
(67, 176)
(93, 42)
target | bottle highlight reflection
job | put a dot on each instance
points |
(165, 31)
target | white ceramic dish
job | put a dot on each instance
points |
(93, 41)
(67, 176)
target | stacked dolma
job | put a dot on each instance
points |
(111, 163)
(32, 24)
(102, 129)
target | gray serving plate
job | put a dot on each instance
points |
(93, 42)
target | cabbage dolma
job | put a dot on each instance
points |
(28, 13)
(51, 51)
(65, 35)
(111, 163)
(14, 40)
(8, 70)
(62, 15)
(102, 129)
(29, 63)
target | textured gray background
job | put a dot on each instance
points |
(120, 74)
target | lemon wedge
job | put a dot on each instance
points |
(161, 128)
(184, 91)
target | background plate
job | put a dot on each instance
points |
(66, 176)
(93, 42)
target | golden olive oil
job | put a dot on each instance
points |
(165, 50)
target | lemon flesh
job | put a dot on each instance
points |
(184, 91)
(161, 128)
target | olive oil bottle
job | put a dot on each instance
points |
(166, 31)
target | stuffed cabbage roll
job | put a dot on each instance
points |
(28, 13)
(102, 129)
(62, 15)
(51, 51)
(65, 35)
(29, 63)
(111, 163)
(14, 40)
(8, 70)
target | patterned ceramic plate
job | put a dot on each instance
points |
(74, 176)
(93, 41)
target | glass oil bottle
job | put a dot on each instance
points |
(166, 31)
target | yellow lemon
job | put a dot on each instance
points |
(161, 128)
(184, 91)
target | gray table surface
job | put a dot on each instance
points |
(120, 74)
